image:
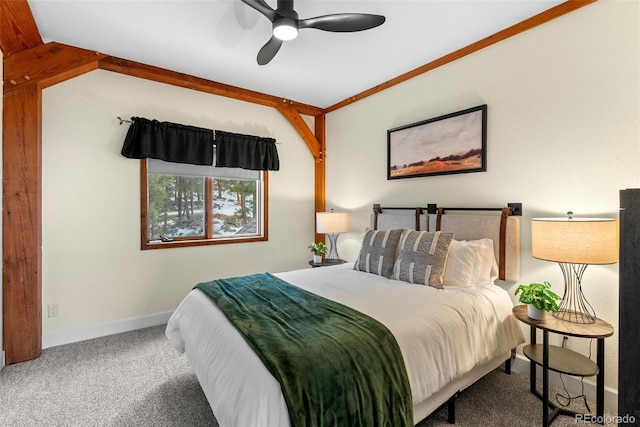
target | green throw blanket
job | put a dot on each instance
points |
(336, 366)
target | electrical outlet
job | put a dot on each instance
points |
(52, 309)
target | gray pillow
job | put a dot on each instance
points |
(378, 252)
(422, 257)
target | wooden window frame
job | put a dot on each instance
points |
(182, 242)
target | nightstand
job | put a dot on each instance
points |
(563, 360)
(326, 263)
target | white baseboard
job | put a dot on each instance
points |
(97, 330)
(573, 385)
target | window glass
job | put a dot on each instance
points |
(235, 210)
(185, 205)
(176, 206)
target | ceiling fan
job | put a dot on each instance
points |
(286, 24)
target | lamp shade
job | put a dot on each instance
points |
(332, 222)
(575, 240)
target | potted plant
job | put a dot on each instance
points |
(318, 250)
(539, 298)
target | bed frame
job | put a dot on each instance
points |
(501, 224)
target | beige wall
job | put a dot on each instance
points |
(563, 134)
(92, 265)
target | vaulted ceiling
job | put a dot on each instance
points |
(219, 39)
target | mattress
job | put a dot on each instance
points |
(443, 335)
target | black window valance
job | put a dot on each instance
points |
(167, 141)
(178, 143)
(245, 151)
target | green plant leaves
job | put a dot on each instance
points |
(540, 295)
(318, 248)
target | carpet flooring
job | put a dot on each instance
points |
(138, 379)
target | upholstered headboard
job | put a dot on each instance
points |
(502, 226)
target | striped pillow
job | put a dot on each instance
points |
(378, 252)
(422, 257)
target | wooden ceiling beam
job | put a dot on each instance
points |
(52, 63)
(47, 65)
(161, 75)
(527, 24)
(18, 29)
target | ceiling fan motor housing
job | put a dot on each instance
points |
(286, 24)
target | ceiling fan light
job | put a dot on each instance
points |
(285, 29)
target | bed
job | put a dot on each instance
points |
(450, 335)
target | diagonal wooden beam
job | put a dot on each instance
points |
(18, 29)
(300, 125)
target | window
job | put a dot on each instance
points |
(188, 205)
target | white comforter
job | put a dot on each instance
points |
(442, 334)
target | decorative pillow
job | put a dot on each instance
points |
(378, 252)
(470, 263)
(422, 257)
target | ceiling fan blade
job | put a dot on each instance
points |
(342, 22)
(262, 7)
(269, 50)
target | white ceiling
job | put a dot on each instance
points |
(219, 39)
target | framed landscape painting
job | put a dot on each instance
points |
(453, 143)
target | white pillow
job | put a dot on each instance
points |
(469, 264)
(458, 270)
(486, 269)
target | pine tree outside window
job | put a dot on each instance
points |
(189, 205)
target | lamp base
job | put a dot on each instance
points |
(575, 316)
(574, 306)
(333, 247)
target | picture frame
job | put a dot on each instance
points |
(450, 144)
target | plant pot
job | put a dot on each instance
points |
(317, 259)
(535, 313)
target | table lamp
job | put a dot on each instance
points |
(575, 243)
(332, 223)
